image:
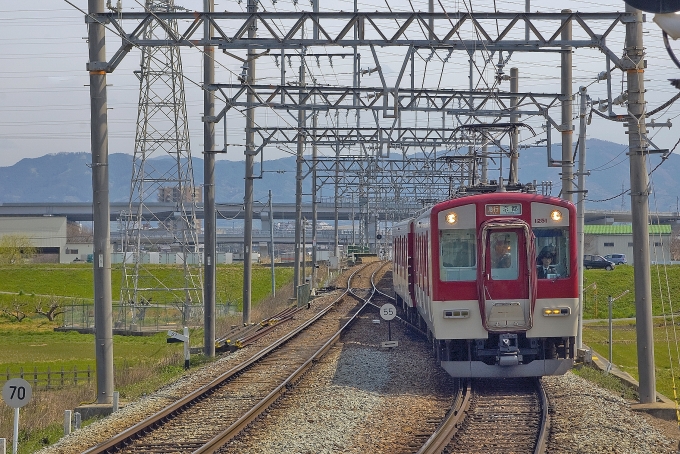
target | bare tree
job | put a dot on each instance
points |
(15, 312)
(675, 246)
(77, 233)
(55, 309)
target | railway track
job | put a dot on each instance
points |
(491, 416)
(216, 412)
(494, 416)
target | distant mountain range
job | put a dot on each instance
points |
(66, 177)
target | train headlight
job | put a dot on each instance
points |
(556, 215)
(556, 311)
(452, 218)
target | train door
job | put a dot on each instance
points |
(506, 299)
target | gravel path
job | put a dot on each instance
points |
(357, 400)
(588, 419)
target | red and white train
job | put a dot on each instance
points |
(493, 279)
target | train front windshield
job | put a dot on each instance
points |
(553, 243)
(458, 253)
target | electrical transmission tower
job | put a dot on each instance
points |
(161, 172)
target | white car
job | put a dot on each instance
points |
(618, 259)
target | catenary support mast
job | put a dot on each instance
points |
(581, 204)
(639, 202)
(299, 226)
(249, 181)
(99, 140)
(567, 122)
(209, 247)
(514, 135)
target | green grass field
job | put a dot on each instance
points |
(33, 343)
(624, 350)
(35, 283)
(600, 284)
(665, 285)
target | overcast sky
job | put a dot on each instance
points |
(45, 105)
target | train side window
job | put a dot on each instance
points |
(554, 241)
(458, 255)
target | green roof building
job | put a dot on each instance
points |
(618, 239)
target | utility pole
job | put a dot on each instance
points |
(271, 241)
(210, 239)
(99, 143)
(471, 66)
(315, 215)
(567, 122)
(514, 135)
(250, 162)
(580, 207)
(485, 164)
(353, 231)
(304, 251)
(639, 204)
(298, 175)
(527, 9)
(336, 184)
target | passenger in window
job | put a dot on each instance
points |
(500, 257)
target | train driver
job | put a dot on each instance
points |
(545, 269)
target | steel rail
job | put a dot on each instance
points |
(122, 439)
(237, 337)
(448, 428)
(232, 431)
(544, 432)
(445, 432)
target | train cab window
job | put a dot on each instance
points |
(504, 259)
(458, 255)
(554, 243)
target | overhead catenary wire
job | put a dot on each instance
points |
(413, 5)
(191, 45)
(665, 296)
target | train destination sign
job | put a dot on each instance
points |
(514, 209)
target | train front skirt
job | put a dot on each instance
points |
(509, 368)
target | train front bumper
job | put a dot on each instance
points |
(536, 368)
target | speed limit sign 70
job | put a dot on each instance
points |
(388, 311)
(17, 392)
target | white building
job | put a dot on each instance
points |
(47, 234)
(618, 239)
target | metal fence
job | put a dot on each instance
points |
(51, 379)
(142, 317)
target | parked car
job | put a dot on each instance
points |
(618, 259)
(597, 261)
